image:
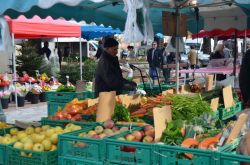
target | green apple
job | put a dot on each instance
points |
(47, 144)
(38, 147)
(53, 148)
(21, 135)
(7, 135)
(92, 132)
(45, 127)
(54, 138)
(13, 131)
(58, 129)
(37, 138)
(38, 129)
(76, 127)
(50, 132)
(6, 140)
(26, 139)
(29, 130)
(18, 145)
(28, 145)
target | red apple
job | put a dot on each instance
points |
(148, 127)
(138, 135)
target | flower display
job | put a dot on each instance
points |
(22, 90)
(5, 94)
(36, 89)
(4, 81)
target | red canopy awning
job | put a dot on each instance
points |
(222, 33)
(42, 28)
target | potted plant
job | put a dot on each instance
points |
(21, 93)
(42, 96)
(5, 97)
(36, 90)
(4, 82)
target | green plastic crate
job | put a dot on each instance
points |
(17, 157)
(226, 113)
(93, 151)
(4, 131)
(233, 159)
(156, 87)
(53, 107)
(63, 123)
(3, 150)
(65, 97)
(75, 161)
(129, 153)
(174, 155)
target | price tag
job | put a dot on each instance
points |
(106, 106)
(161, 117)
(228, 96)
(167, 92)
(215, 103)
(92, 102)
(209, 83)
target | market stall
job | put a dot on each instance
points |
(36, 27)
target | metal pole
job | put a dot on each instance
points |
(80, 39)
(14, 66)
(177, 50)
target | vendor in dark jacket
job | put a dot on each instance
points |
(108, 74)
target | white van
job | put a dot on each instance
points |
(89, 48)
(197, 43)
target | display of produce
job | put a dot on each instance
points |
(74, 111)
(39, 139)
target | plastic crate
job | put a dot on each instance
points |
(233, 159)
(65, 97)
(63, 123)
(53, 107)
(129, 153)
(172, 155)
(75, 161)
(24, 157)
(4, 131)
(93, 150)
(3, 150)
(226, 113)
(156, 87)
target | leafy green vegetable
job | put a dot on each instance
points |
(121, 113)
(65, 88)
(188, 107)
(172, 134)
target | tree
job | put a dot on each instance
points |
(30, 60)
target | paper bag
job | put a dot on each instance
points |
(161, 116)
(106, 106)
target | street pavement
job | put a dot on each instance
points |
(28, 113)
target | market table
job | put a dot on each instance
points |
(215, 70)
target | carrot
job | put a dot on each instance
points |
(189, 143)
(208, 141)
(147, 106)
(137, 115)
(90, 110)
(140, 111)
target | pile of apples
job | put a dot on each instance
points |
(146, 135)
(4, 125)
(108, 129)
(37, 139)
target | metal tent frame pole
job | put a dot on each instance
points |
(177, 49)
(80, 42)
(14, 66)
